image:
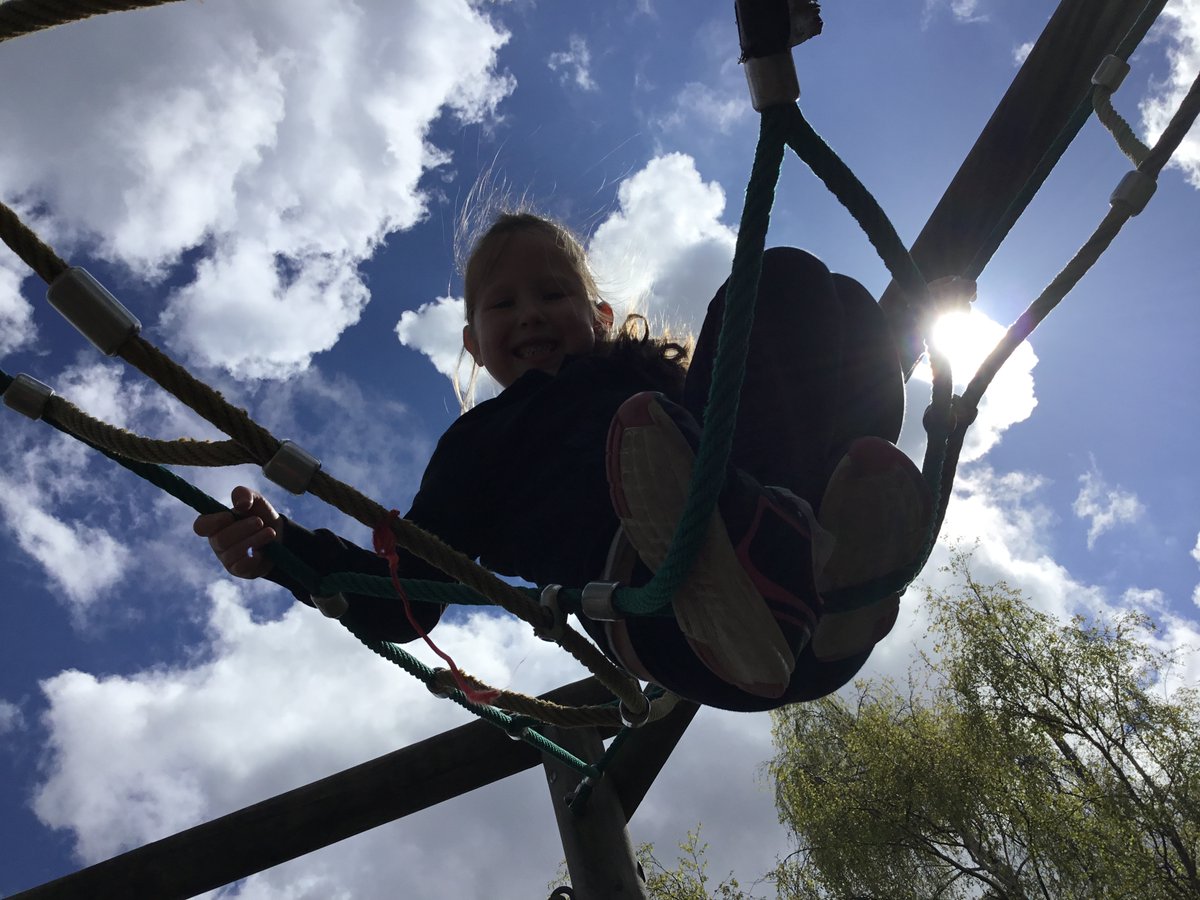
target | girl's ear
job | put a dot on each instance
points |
(470, 344)
(604, 318)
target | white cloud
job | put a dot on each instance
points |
(1021, 52)
(574, 64)
(60, 545)
(665, 249)
(961, 10)
(282, 152)
(1196, 557)
(1180, 28)
(16, 315)
(1148, 600)
(1105, 506)
(698, 105)
(435, 329)
(10, 718)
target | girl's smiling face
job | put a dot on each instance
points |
(530, 310)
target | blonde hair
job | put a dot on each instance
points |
(632, 336)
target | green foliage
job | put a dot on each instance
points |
(1023, 759)
(688, 880)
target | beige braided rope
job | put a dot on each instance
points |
(180, 452)
(554, 713)
(1121, 130)
(22, 240)
(199, 397)
(19, 17)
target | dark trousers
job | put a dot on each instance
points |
(822, 370)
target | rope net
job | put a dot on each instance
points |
(781, 126)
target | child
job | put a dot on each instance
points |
(594, 429)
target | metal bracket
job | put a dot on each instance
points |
(28, 396)
(1110, 73)
(292, 467)
(1134, 191)
(95, 313)
(598, 601)
(334, 606)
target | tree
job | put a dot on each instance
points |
(688, 880)
(1023, 759)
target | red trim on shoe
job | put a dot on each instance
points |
(769, 589)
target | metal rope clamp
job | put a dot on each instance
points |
(28, 396)
(767, 30)
(1110, 73)
(1134, 191)
(631, 719)
(334, 606)
(557, 618)
(598, 601)
(95, 313)
(292, 467)
(517, 727)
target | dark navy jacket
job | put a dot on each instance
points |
(517, 482)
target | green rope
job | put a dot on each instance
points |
(865, 209)
(729, 365)
(859, 202)
(514, 726)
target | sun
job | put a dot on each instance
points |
(966, 338)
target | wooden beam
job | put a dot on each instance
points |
(635, 767)
(594, 837)
(1038, 116)
(311, 817)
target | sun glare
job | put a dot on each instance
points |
(966, 338)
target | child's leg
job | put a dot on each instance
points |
(787, 415)
(821, 371)
(871, 386)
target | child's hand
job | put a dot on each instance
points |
(233, 535)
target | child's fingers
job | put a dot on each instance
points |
(245, 560)
(233, 535)
(210, 523)
(243, 499)
(233, 545)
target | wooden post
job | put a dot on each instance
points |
(1040, 113)
(595, 840)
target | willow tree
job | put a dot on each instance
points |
(1024, 758)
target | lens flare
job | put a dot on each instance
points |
(966, 338)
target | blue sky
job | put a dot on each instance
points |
(273, 188)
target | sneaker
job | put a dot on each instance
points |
(878, 509)
(748, 605)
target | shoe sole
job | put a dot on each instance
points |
(877, 495)
(723, 616)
